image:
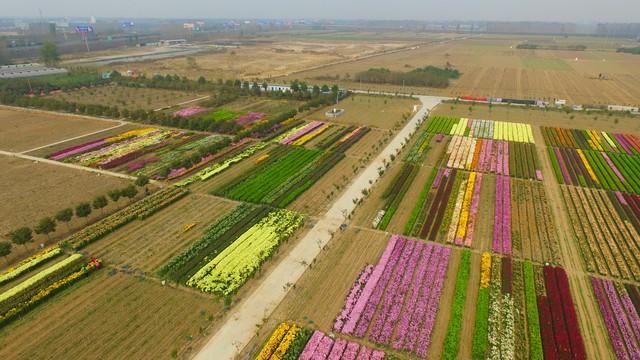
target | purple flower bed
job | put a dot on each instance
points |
(497, 218)
(623, 323)
(365, 353)
(352, 298)
(323, 349)
(563, 166)
(377, 355)
(311, 346)
(351, 351)
(190, 111)
(424, 266)
(302, 132)
(404, 297)
(358, 308)
(609, 319)
(59, 155)
(338, 348)
(506, 213)
(250, 118)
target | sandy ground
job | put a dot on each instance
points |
(21, 130)
(239, 327)
(492, 66)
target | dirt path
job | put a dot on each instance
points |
(241, 322)
(74, 166)
(592, 326)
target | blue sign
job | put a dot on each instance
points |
(83, 29)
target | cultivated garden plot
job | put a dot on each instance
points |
(288, 170)
(606, 226)
(594, 159)
(290, 341)
(452, 205)
(620, 307)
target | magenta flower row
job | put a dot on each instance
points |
(402, 295)
(302, 132)
(473, 211)
(250, 118)
(502, 217)
(613, 166)
(59, 155)
(352, 298)
(323, 347)
(190, 111)
(621, 330)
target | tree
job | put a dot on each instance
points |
(49, 53)
(22, 236)
(45, 226)
(5, 249)
(65, 216)
(265, 86)
(114, 195)
(202, 80)
(325, 88)
(100, 202)
(83, 210)
(129, 192)
(143, 180)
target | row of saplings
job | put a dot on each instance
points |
(47, 225)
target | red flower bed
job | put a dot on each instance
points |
(546, 329)
(570, 317)
(555, 305)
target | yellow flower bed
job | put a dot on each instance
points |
(29, 263)
(286, 342)
(485, 270)
(592, 174)
(273, 342)
(128, 134)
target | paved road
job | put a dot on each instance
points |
(241, 322)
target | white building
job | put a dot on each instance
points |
(283, 88)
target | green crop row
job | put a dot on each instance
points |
(420, 203)
(452, 339)
(533, 322)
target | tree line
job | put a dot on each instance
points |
(429, 76)
(48, 225)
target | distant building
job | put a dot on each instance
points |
(633, 109)
(28, 70)
(172, 42)
(282, 88)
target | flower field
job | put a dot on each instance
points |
(29, 264)
(395, 302)
(525, 311)
(139, 210)
(217, 237)
(232, 267)
(590, 139)
(289, 171)
(291, 342)
(594, 159)
(516, 159)
(153, 152)
(620, 308)
(606, 226)
(25, 295)
(484, 129)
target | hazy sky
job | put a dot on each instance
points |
(516, 10)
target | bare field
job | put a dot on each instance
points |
(39, 190)
(126, 97)
(146, 245)
(111, 315)
(493, 67)
(21, 130)
(384, 112)
(264, 60)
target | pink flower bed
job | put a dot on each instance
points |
(322, 347)
(351, 351)
(134, 166)
(250, 118)
(502, 217)
(402, 295)
(190, 111)
(352, 298)
(302, 132)
(78, 149)
(473, 211)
